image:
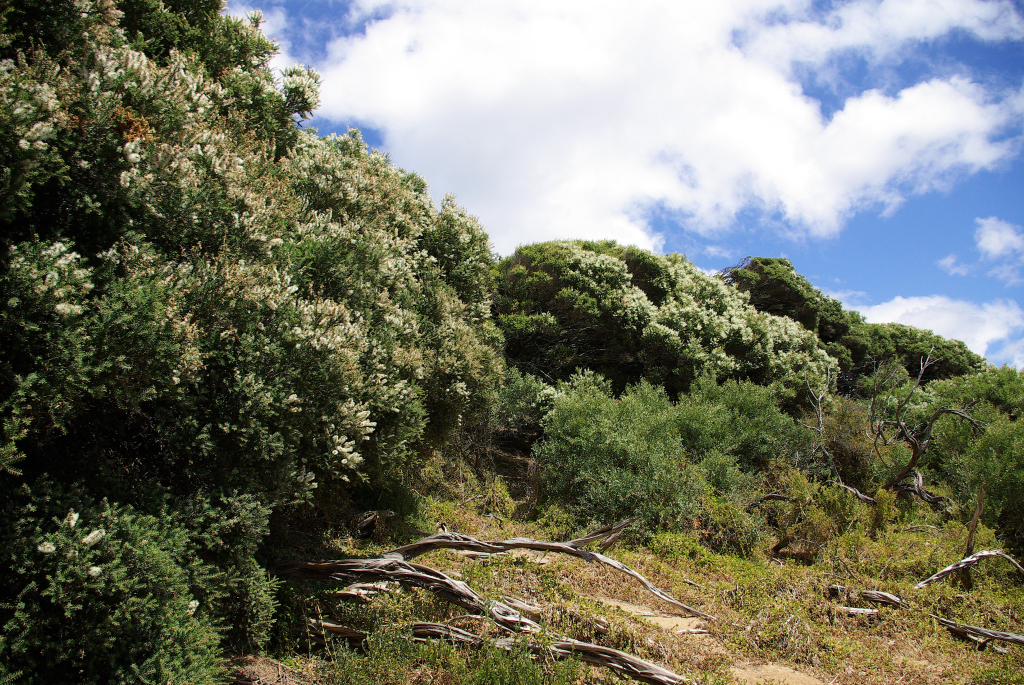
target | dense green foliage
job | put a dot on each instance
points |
(680, 466)
(211, 316)
(221, 335)
(630, 315)
(774, 287)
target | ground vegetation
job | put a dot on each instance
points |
(231, 349)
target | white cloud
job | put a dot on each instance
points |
(952, 267)
(850, 299)
(998, 238)
(997, 324)
(877, 30)
(565, 118)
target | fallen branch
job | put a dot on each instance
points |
(968, 561)
(770, 497)
(857, 493)
(409, 575)
(623, 663)
(983, 633)
(606, 535)
(879, 597)
(857, 611)
(458, 541)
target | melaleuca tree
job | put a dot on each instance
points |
(211, 316)
(631, 314)
(775, 287)
(965, 457)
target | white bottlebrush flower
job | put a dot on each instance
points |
(72, 519)
(94, 571)
(46, 548)
(65, 309)
(301, 86)
(93, 537)
(192, 606)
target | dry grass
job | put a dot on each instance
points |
(776, 612)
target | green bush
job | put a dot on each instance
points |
(630, 315)
(98, 593)
(691, 465)
(609, 459)
(523, 401)
(212, 317)
(739, 419)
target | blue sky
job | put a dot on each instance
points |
(876, 143)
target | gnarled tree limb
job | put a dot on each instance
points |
(459, 541)
(408, 575)
(968, 561)
(857, 493)
(918, 488)
(622, 663)
(983, 633)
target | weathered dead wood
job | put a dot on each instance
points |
(965, 574)
(874, 596)
(367, 522)
(622, 663)
(408, 575)
(984, 634)
(449, 540)
(857, 493)
(879, 597)
(917, 488)
(321, 627)
(966, 562)
(651, 587)
(458, 541)
(361, 592)
(858, 611)
(770, 497)
(836, 591)
(522, 607)
(451, 634)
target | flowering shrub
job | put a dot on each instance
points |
(210, 315)
(631, 314)
(102, 594)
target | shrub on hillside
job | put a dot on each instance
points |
(739, 419)
(609, 459)
(630, 315)
(686, 466)
(212, 316)
(98, 593)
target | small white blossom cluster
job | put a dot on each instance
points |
(93, 537)
(54, 274)
(301, 87)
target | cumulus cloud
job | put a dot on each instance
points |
(992, 329)
(953, 267)
(997, 238)
(566, 118)
(1002, 242)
